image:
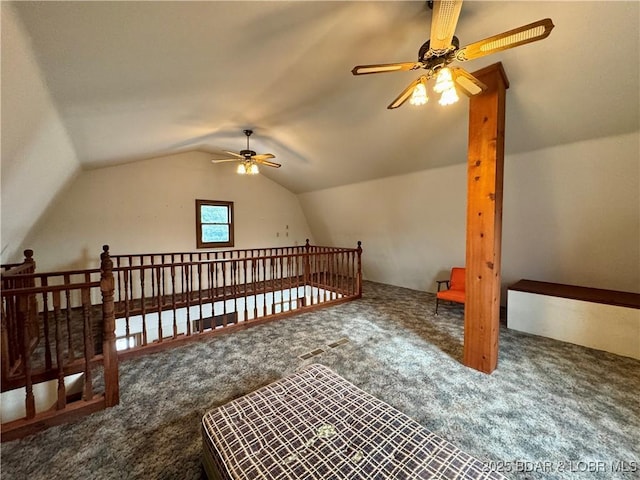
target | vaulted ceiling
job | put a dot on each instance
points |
(137, 80)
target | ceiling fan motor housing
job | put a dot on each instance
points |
(247, 153)
(438, 60)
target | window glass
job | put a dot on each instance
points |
(214, 224)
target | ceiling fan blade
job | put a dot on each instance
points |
(443, 23)
(264, 156)
(385, 67)
(513, 38)
(233, 154)
(268, 163)
(221, 160)
(404, 96)
(469, 84)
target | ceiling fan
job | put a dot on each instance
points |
(248, 159)
(443, 48)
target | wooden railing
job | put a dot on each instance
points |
(19, 325)
(64, 346)
(85, 319)
(164, 298)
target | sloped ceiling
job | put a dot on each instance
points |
(134, 80)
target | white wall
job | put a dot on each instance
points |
(149, 206)
(571, 215)
(38, 158)
(412, 227)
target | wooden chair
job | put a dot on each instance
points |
(455, 287)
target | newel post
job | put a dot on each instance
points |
(359, 272)
(109, 353)
(28, 260)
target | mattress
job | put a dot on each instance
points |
(314, 424)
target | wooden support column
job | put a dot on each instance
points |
(484, 220)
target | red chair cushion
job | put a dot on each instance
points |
(451, 295)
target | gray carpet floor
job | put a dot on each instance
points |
(550, 410)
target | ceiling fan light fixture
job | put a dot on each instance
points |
(253, 169)
(241, 170)
(419, 95)
(444, 80)
(448, 97)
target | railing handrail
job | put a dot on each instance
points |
(229, 260)
(221, 252)
(62, 273)
(204, 252)
(7, 292)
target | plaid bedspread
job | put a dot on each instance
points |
(314, 424)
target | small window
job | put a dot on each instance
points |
(214, 224)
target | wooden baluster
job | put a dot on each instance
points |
(45, 322)
(200, 287)
(264, 285)
(321, 275)
(210, 287)
(301, 275)
(330, 286)
(67, 295)
(159, 300)
(14, 347)
(109, 353)
(183, 276)
(153, 283)
(245, 294)
(332, 274)
(345, 273)
(359, 270)
(336, 274)
(325, 273)
(290, 277)
(129, 273)
(62, 397)
(189, 288)
(87, 393)
(223, 266)
(254, 286)
(281, 278)
(348, 275)
(25, 351)
(143, 301)
(127, 277)
(307, 265)
(296, 272)
(119, 287)
(174, 306)
(342, 285)
(330, 278)
(325, 269)
(273, 279)
(313, 275)
(234, 286)
(4, 346)
(353, 273)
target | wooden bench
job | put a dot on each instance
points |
(606, 320)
